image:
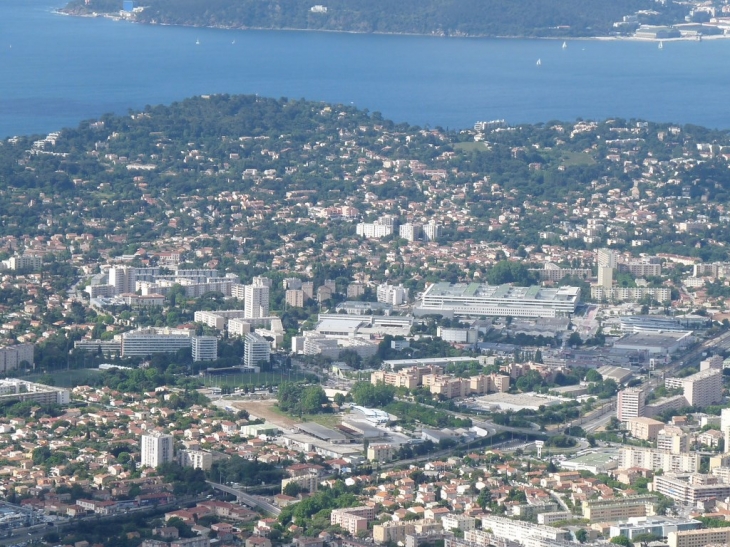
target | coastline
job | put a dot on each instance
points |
(113, 17)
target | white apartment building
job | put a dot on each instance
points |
(700, 389)
(198, 459)
(156, 448)
(256, 349)
(217, 319)
(432, 231)
(699, 538)
(294, 298)
(256, 301)
(25, 262)
(390, 294)
(148, 341)
(238, 327)
(519, 530)
(690, 488)
(672, 439)
(499, 300)
(630, 403)
(205, 348)
(410, 231)
(607, 258)
(655, 459)
(458, 522)
(374, 230)
(12, 356)
(123, 279)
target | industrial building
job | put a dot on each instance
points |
(498, 300)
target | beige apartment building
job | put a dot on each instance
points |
(618, 509)
(353, 519)
(392, 532)
(644, 428)
(672, 439)
(699, 538)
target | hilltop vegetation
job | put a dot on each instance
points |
(436, 17)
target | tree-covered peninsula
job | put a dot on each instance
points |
(538, 18)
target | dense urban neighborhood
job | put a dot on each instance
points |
(247, 321)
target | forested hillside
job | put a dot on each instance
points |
(438, 17)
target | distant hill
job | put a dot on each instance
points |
(536, 18)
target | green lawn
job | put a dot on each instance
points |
(250, 379)
(570, 159)
(65, 378)
(471, 146)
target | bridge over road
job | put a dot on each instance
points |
(254, 502)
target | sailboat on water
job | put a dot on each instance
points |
(539, 62)
(661, 45)
(565, 45)
(197, 42)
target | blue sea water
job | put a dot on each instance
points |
(56, 71)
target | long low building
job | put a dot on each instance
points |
(699, 538)
(479, 299)
(12, 389)
(690, 488)
(519, 530)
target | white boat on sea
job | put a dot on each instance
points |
(539, 62)
(661, 45)
(565, 45)
(197, 42)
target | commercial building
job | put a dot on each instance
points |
(156, 448)
(644, 428)
(700, 389)
(618, 509)
(699, 538)
(353, 519)
(256, 350)
(519, 530)
(499, 300)
(12, 356)
(12, 389)
(690, 488)
(655, 459)
(205, 348)
(630, 404)
(655, 344)
(198, 459)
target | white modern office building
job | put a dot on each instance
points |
(156, 448)
(499, 300)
